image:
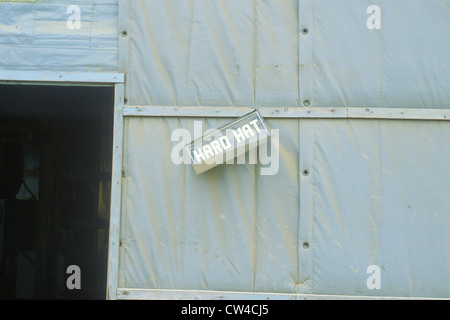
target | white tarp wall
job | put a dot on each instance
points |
(378, 191)
(41, 35)
(253, 53)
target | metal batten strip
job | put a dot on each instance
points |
(399, 113)
(116, 196)
(288, 112)
(306, 52)
(155, 294)
(231, 112)
(60, 77)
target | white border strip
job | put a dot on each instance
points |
(399, 113)
(116, 195)
(287, 112)
(232, 112)
(149, 294)
(52, 76)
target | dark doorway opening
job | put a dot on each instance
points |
(55, 182)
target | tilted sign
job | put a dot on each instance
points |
(228, 142)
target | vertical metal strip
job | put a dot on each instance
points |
(125, 33)
(306, 52)
(304, 283)
(306, 215)
(116, 195)
(116, 180)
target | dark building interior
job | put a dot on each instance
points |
(55, 181)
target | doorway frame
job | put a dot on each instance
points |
(91, 79)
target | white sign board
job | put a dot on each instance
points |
(228, 142)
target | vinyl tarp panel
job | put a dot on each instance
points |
(377, 192)
(224, 230)
(213, 53)
(34, 36)
(254, 53)
(380, 196)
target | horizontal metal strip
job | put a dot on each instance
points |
(232, 112)
(287, 112)
(7, 76)
(149, 294)
(399, 113)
